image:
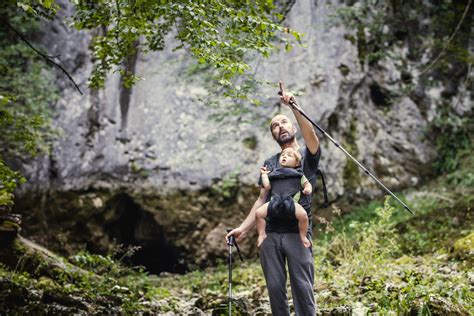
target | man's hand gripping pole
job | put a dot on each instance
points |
(231, 241)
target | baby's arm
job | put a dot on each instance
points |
(307, 187)
(265, 180)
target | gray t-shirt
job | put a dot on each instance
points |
(309, 164)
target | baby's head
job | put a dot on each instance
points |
(290, 158)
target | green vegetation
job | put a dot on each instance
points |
(27, 92)
(366, 266)
(250, 142)
(452, 135)
(216, 33)
(219, 34)
(228, 186)
(379, 26)
(442, 210)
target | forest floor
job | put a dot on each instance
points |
(377, 259)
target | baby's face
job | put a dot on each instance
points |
(288, 158)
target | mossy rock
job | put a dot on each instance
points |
(335, 311)
(240, 306)
(405, 260)
(47, 283)
(65, 301)
(464, 247)
(436, 306)
(13, 295)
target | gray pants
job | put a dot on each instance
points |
(275, 251)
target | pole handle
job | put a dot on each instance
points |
(231, 241)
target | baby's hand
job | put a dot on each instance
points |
(307, 188)
(264, 170)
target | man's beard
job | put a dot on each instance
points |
(285, 139)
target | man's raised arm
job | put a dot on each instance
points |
(310, 138)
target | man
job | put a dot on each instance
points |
(283, 245)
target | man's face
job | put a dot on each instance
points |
(282, 129)
(288, 158)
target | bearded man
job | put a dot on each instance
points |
(282, 247)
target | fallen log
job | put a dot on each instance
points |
(20, 254)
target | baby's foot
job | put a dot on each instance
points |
(260, 239)
(305, 241)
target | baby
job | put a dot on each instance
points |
(285, 184)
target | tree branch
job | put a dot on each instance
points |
(46, 57)
(449, 40)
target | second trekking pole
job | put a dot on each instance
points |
(232, 242)
(295, 106)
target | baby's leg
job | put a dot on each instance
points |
(260, 215)
(302, 218)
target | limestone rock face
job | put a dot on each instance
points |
(158, 133)
(157, 137)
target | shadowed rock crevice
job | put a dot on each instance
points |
(131, 225)
(379, 96)
(129, 66)
(93, 116)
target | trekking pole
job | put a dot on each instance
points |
(295, 106)
(231, 242)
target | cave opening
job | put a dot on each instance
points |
(131, 226)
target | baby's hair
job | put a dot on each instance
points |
(296, 153)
